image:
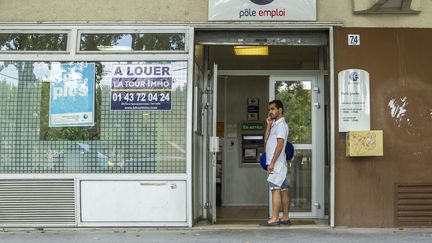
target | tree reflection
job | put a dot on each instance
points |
(133, 42)
(33, 42)
(297, 103)
(70, 133)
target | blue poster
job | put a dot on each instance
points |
(72, 95)
(141, 87)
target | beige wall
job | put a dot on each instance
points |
(103, 10)
(189, 11)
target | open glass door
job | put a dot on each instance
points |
(212, 144)
(302, 96)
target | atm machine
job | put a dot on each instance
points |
(252, 147)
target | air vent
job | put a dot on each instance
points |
(37, 203)
(414, 205)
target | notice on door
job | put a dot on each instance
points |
(354, 100)
(141, 87)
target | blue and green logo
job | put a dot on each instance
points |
(261, 2)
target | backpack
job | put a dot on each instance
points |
(289, 153)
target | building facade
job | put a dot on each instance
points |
(142, 114)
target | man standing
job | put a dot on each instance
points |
(275, 138)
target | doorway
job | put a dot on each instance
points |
(233, 185)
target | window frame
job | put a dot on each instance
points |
(37, 31)
(132, 31)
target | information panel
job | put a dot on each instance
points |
(354, 101)
(72, 95)
(141, 87)
(262, 10)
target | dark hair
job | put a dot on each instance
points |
(278, 104)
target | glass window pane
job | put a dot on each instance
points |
(32, 42)
(133, 42)
(296, 97)
(65, 82)
(300, 181)
(121, 141)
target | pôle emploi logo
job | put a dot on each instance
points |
(261, 2)
(354, 76)
(261, 11)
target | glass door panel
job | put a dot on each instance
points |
(301, 98)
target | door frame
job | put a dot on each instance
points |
(211, 142)
(318, 75)
(320, 26)
(317, 146)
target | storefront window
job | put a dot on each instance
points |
(119, 141)
(133, 42)
(32, 42)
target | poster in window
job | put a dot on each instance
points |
(72, 95)
(141, 87)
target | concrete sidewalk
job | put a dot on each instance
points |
(217, 234)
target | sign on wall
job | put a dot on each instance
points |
(72, 95)
(262, 10)
(354, 100)
(141, 87)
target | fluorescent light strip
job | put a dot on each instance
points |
(251, 50)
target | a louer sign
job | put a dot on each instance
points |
(262, 10)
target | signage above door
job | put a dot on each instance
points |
(262, 10)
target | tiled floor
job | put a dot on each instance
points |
(245, 215)
(242, 213)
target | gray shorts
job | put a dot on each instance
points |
(283, 187)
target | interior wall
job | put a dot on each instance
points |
(241, 185)
(398, 61)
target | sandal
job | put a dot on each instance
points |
(276, 223)
(286, 222)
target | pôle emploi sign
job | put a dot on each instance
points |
(72, 96)
(262, 10)
(141, 87)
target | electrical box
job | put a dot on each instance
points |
(364, 143)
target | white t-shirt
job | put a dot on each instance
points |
(279, 129)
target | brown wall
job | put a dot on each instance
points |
(400, 67)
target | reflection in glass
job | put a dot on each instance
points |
(296, 97)
(32, 42)
(300, 181)
(121, 142)
(71, 133)
(133, 42)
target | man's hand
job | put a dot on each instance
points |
(269, 121)
(270, 168)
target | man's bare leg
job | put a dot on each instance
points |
(276, 201)
(285, 205)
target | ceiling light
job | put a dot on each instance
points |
(251, 50)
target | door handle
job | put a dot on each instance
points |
(153, 183)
